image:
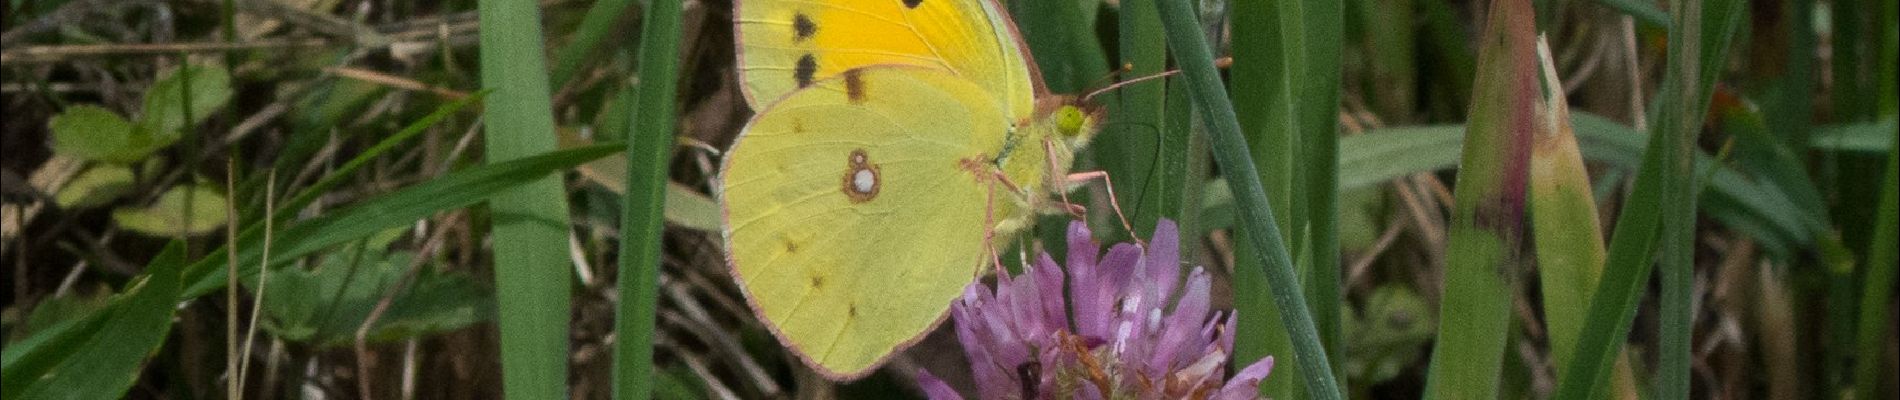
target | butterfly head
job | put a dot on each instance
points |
(1075, 122)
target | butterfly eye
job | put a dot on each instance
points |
(1069, 120)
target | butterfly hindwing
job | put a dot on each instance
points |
(852, 219)
(785, 45)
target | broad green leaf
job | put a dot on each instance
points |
(181, 211)
(209, 89)
(327, 304)
(98, 185)
(95, 133)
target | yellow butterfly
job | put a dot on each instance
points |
(897, 142)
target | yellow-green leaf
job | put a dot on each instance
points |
(165, 112)
(95, 133)
(97, 185)
(181, 211)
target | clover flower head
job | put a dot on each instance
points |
(1113, 336)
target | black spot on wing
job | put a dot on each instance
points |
(803, 27)
(807, 66)
(912, 3)
(854, 86)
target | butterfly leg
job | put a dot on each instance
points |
(989, 227)
(1083, 177)
(1062, 188)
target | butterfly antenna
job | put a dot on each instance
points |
(1223, 62)
(1110, 76)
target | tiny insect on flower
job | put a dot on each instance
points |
(1125, 341)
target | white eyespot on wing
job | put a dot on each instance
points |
(863, 181)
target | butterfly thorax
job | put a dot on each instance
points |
(1038, 155)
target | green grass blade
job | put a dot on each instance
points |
(1450, 50)
(1319, 125)
(33, 355)
(1870, 137)
(107, 363)
(1877, 287)
(1184, 160)
(1770, 159)
(396, 209)
(1482, 259)
(1632, 243)
(1263, 52)
(1734, 199)
(1391, 57)
(642, 210)
(311, 193)
(1130, 149)
(532, 279)
(1665, 179)
(600, 20)
(1197, 64)
(1703, 35)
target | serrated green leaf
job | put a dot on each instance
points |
(97, 185)
(94, 133)
(181, 211)
(165, 112)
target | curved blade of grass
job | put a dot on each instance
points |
(641, 212)
(1666, 179)
(107, 362)
(1871, 335)
(396, 209)
(1197, 64)
(532, 279)
(311, 193)
(1487, 219)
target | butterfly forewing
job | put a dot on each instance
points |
(785, 45)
